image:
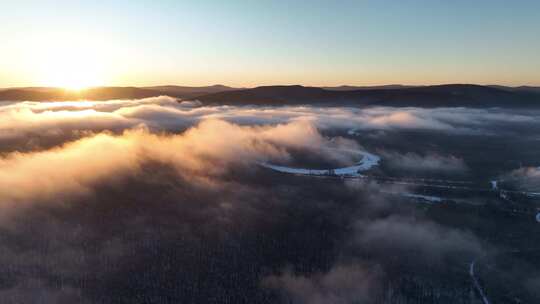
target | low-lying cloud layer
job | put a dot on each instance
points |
(527, 178)
(429, 162)
(343, 284)
(155, 201)
(32, 124)
(205, 150)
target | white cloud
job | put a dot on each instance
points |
(428, 162)
(24, 119)
(205, 150)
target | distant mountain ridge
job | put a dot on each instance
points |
(185, 91)
(449, 95)
(106, 93)
(376, 87)
(60, 94)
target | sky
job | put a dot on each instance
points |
(249, 43)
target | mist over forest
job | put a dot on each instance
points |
(157, 200)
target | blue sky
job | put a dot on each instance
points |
(246, 43)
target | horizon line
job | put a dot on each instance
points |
(272, 85)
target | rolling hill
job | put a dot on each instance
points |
(450, 95)
(105, 93)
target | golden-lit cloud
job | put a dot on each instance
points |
(205, 150)
(27, 119)
(68, 169)
(94, 191)
(66, 147)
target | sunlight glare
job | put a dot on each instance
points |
(73, 66)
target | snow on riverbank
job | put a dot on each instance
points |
(368, 161)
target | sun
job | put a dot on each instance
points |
(74, 79)
(74, 73)
(71, 68)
